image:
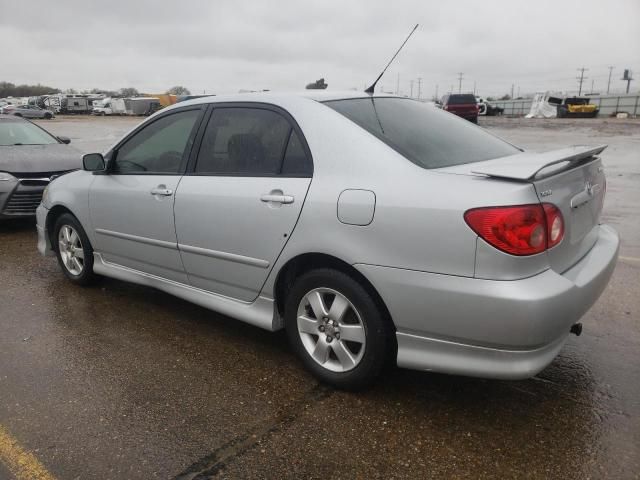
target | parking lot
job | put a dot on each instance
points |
(120, 381)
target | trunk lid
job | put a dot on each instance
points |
(571, 178)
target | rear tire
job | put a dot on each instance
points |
(337, 328)
(48, 116)
(73, 250)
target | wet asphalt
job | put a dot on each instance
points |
(119, 381)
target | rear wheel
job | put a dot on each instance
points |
(48, 116)
(73, 249)
(337, 328)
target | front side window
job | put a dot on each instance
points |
(244, 141)
(425, 135)
(159, 147)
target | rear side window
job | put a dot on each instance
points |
(246, 141)
(461, 99)
(159, 147)
(296, 161)
(425, 135)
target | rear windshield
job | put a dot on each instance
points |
(422, 133)
(20, 132)
(461, 99)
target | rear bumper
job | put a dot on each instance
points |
(497, 329)
(467, 115)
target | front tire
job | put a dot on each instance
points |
(73, 249)
(337, 328)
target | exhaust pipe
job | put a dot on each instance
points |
(576, 329)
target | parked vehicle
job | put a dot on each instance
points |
(29, 158)
(577, 107)
(102, 107)
(485, 108)
(27, 111)
(462, 104)
(550, 105)
(421, 237)
(72, 105)
(143, 106)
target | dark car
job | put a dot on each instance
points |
(462, 104)
(30, 157)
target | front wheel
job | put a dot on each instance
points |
(337, 328)
(74, 252)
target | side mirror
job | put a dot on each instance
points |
(65, 140)
(93, 162)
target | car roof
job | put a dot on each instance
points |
(275, 97)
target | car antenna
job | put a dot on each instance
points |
(373, 85)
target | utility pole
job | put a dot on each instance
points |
(419, 87)
(512, 85)
(460, 82)
(592, 86)
(398, 85)
(436, 98)
(518, 94)
(411, 87)
(609, 82)
(474, 88)
(581, 79)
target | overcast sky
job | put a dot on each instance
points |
(222, 46)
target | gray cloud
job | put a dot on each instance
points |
(226, 45)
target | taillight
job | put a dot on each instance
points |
(519, 229)
(555, 224)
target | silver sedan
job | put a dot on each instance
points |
(27, 111)
(371, 228)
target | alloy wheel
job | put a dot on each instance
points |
(331, 329)
(71, 251)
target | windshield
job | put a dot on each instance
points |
(20, 132)
(461, 99)
(425, 135)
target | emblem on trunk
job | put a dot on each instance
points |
(546, 193)
(592, 188)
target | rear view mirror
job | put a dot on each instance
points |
(65, 140)
(93, 162)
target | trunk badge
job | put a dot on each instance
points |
(546, 193)
(592, 189)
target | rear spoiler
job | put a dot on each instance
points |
(526, 166)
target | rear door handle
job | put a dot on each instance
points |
(277, 198)
(162, 191)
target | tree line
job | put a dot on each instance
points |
(8, 89)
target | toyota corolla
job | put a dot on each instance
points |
(370, 227)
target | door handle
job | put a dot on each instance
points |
(162, 191)
(277, 198)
